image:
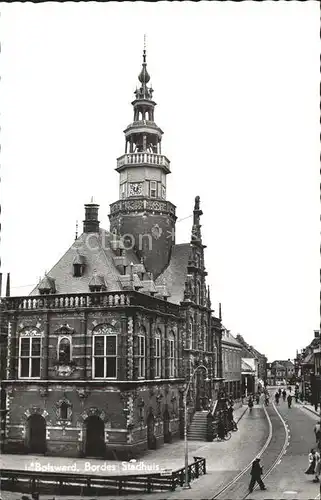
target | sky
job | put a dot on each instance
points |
(237, 92)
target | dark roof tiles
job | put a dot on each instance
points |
(174, 276)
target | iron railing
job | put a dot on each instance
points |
(61, 483)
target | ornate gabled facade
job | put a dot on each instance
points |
(100, 351)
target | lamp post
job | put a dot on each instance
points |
(186, 484)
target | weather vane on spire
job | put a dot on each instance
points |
(144, 53)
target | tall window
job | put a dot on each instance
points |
(205, 337)
(171, 354)
(64, 410)
(29, 354)
(141, 356)
(104, 352)
(153, 189)
(158, 354)
(198, 293)
(189, 334)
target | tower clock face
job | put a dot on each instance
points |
(135, 188)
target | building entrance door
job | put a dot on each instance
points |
(95, 437)
(36, 434)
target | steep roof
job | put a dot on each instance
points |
(245, 367)
(174, 276)
(98, 256)
(227, 337)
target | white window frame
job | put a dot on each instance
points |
(153, 189)
(30, 335)
(158, 356)
(141, 356)
(171, 355)
(104, 334)
(123, 190)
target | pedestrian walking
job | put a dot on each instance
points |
(311, 468)
(277, 397)
(256, 473)
(317, 431)
(317, 468)
(289, 399)
(284, 394)
(250, 403)
(258, 398)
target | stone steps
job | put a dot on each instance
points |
(198, 427)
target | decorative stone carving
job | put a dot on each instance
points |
(43, 392)
(65, 370)
(64, 329)
(82, 393)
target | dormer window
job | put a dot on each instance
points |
(46, 286)
(78, 266)
(97, 283)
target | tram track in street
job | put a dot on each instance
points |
(272, 445)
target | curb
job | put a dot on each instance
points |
(242, 414)
(311, 410)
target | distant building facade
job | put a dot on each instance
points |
(232, 364)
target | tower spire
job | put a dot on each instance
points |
(196, 230)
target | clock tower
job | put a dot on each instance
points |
(142, 216)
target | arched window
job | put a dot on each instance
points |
(104, 352)
(171, 354)
(29, 353)
(64, 350)
(142, 353)
(158, 355)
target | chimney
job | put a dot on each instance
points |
(91, 222)
(8, 286)
(316, 334)
(220, 311)
(0, 285)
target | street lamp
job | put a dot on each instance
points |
(187, 485)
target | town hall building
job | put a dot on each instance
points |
(100, 352)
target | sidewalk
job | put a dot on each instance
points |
(310, 407)
(224, 459)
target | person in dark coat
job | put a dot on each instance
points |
(311, 468)
(256, 473)
(289, 399)
(284, 394)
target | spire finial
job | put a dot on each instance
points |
(8, 285)
(92, 200)
(76, 234)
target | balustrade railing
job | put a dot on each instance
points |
(88, 300)
(143, 158)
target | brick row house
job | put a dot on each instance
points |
(232, 365)
(100, 351)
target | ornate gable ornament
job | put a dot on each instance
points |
(65, 330)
